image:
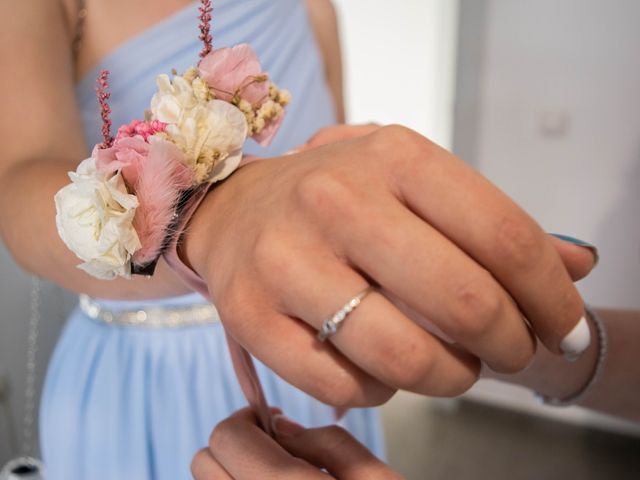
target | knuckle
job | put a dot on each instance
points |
(324, 193)
(475, 309)
(407, 365)
(338, 390)
(397, 135)
(519, 359)
(377, 396)
(221, 435)
(399, 151)
(341, 389)
(271, 254)
(465, 384)
(319, 137)
(519, 242)
(334, 440)
(198, 462)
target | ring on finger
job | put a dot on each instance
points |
(330, 325)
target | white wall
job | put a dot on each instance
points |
(577, 64)
(553, 90)
(399, 63)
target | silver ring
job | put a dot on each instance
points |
(330, 325)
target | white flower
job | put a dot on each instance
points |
(172, 99)
(212, 136)
(94, 219)
(210, 132)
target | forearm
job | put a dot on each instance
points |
(616, 392)
(28, 229)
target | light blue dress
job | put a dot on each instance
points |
(137, 403)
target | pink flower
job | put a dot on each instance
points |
(156, 172)
(160, 182)
(138, 127)
(233, 70)
(127, 155)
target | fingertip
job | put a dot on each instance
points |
(576, 341)
(579, 257)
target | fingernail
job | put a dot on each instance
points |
(580, 243)
(292, 151)
(576, 341)
(286, 427)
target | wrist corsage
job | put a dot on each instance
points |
(123, 204)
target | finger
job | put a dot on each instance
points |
(291, 350)
(247, 452)
(579, 259)
(500, 236)
(441, 282)
(337, 133)
(376, 336)
(205, 467)
(332, 448)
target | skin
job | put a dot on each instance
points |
(283, 243)
(324, 22)
(617, 392)
(239, 450)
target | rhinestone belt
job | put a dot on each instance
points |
(158, 317)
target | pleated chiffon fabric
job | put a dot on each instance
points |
(137, 403)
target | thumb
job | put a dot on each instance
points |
(331, 448)
(338, 133)
(335, 133)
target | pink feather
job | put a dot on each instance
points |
(163, 177)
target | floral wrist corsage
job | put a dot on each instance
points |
(118, 211)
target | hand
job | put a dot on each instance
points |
(286, 242)
(239, 449)
(578, 260)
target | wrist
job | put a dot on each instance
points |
(202, 235)
(194, 238)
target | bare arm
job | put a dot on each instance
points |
(617, 392)
(325, 25)
(40, 140)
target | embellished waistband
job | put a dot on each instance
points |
(151, 316)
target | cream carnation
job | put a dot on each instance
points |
(211, 136)
(172, 99)
(210, 132)
(94, 219)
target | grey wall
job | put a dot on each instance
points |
(548, 107)
(14, 317)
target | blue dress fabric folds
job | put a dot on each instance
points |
(135, 402)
